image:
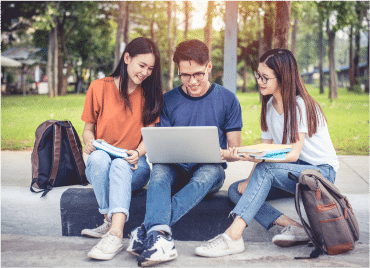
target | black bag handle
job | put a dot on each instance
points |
(319, 250)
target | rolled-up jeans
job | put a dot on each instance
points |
(269, 181)
(113, 180)
(162, 210)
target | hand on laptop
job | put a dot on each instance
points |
(133, 158)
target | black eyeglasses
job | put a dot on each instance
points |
(197, 76)
(263, 78)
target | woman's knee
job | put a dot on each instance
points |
(98, 158)
(121, 165)
(233, 193)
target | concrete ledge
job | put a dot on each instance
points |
(25, 213)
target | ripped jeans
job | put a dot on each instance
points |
(269, 181)
(113, 180)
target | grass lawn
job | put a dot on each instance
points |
(348, 118)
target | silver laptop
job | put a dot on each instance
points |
(182, 144)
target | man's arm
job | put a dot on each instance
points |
(233, 140)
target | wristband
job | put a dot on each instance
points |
(138, 154)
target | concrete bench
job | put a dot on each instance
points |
(79, 210)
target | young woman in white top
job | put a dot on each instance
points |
(289, 116)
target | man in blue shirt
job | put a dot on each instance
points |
(197, 102)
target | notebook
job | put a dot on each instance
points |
(267, 151)
(182, 144)
(110, 149)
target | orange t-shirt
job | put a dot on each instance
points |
(116, 125)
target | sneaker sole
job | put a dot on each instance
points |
(133, 253)
(91, 235)
(289, 243)
(215, 255)
(104, 257)
(147, 263)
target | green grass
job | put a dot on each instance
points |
(348, 118)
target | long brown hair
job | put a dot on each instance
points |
(285, 66)
(152, 85)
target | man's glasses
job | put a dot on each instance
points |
(185, 78)
(263, 78)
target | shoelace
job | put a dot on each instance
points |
(288, 229)
(141, 234)
(215, 242)
(106, 241)
(151, 239)
(104, 226)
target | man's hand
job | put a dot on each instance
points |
(243, 157)
(133, 158)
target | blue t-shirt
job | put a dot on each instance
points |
(218, 107)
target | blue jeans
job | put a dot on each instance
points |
(269, 181)
(189, 187)
(113, 180)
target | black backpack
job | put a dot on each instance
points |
(57, 158)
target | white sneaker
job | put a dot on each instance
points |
(107, 248)
(221, 245)
(137, 239)
(157, 248)
(290, 235)
(99, 231)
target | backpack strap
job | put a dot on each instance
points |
(56, 158)
(75, 151)
(319, 250)
(35, 156)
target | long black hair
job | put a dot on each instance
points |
(152, 85)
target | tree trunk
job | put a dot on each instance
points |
(367, 89)
(126, 34)
(171, 65)
(119, 35)
(187, 17)
(368, 47)
(55, 63)
(245, 72)
(321, 54)
(333, 84)
(152, 29)
(356, 58)
(351, 70)
(268, 30)
(208, 30)
(282, 24)
(50, 64)
(294, 37)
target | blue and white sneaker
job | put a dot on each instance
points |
(158, 248)
(137, 238)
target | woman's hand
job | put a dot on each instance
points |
(133, 158)
(89, 148)
(242, 186)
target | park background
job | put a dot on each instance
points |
(64, 46)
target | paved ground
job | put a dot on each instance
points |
(32, 238)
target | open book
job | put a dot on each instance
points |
(266, 151)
